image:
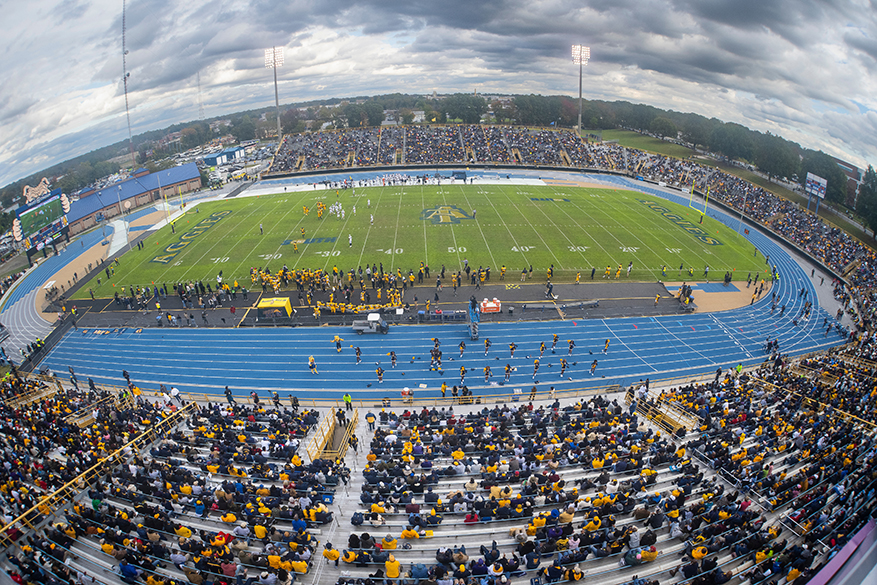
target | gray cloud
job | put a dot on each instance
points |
(804, 69)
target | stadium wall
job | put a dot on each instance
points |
(447, 166)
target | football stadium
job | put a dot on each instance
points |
(595, 364)
(478, 333)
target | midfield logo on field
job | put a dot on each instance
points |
(444, 214)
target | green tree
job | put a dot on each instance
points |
(696, 130)
(531, 110)
(244, 129)
(407, 116)
(866, 206)
(374, 112)
(775, 156)
(291, 121)
(189, 138)
(662, 127)
(465, 107)
(504, 113)
(731, 140)
(355, 115)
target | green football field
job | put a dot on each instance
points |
(574, 229)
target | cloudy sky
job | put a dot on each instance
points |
(804, 69)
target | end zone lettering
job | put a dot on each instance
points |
(186, 238)
(555, 199)
(692, 229)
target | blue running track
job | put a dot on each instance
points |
(52, 265)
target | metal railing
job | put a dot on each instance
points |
(31, 396)
(341, 451)
(85, 415)
(50, 504)
(323, 433)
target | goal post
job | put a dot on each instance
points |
(694, 204)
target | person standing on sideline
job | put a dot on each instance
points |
(261, 231)
(572, 345)
(358, 355)
(228, 395)
(349, 240)
(487, 344)
(348, 401)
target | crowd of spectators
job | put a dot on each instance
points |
(591, 481)
(433, 145)
(555, 491)
(44, 446)
(392, 140)
(535, 147)
(224, 500)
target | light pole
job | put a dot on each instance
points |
(580, 56)
(274, 59)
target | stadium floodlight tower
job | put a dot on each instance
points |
(580, 56)
(274, 59)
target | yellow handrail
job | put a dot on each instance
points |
(322, 434)
(345, 440)
(50, 503)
